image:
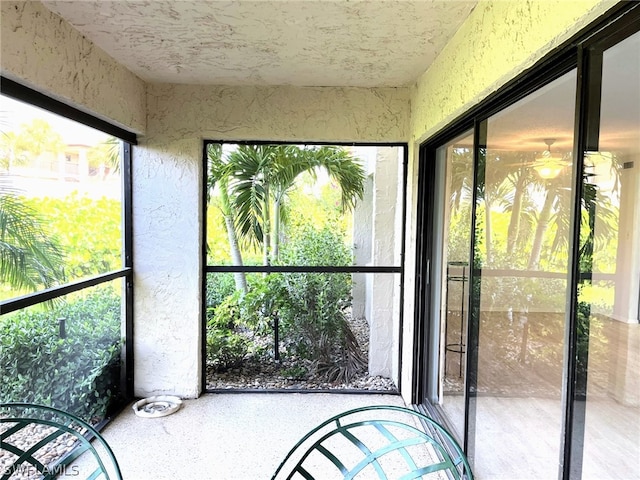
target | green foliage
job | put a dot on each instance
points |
(219, 287)
(32, 140)
(235, 323)
(226, 346)
(30, 256)
(312, 306)
(79, 373)
(89, 232)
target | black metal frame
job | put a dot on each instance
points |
(30, 96)
(584, 52)
(299, 269)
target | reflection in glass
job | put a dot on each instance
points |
(608, 299)
(523, 226)
(457, 157)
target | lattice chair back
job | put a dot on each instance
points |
(376, 442)
(43, 442)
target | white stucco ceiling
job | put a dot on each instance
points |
(362, 43)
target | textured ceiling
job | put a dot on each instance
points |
(360, 43)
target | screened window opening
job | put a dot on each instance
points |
(304, 266)
(63, 312)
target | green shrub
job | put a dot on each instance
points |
(219, 287)
(313, 305)
(234, 325)
(226, 347)
(311, 308)
(79, 373)
(88, 230)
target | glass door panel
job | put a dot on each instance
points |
(454, 263)
(609, 290)
(521, 264)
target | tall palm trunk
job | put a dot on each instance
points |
(266, 232)
(514, 222)
(543, 224)
(234, 248)
(488, 229)
(277, 221)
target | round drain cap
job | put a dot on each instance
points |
(159, 406)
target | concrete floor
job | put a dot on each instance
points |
(224, 436)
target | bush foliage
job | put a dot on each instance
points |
(79, 373)
(311, 309)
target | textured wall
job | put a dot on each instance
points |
(498, 41)
(279, 113)
(383, 290)
(168, 191)
(167, 224)
(42, 51)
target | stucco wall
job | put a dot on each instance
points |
(279, 113)
(498, 41)
(167, 169)
(42, 51)
(167, 220)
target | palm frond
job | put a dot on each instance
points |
(29, 258)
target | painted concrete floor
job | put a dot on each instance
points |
(225, 436)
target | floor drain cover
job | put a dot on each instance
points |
(159, 406)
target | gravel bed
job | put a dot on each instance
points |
(266, 374)
(24, 439)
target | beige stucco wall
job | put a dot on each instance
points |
(279, 113)
(498, 41)
(42, 51)
(168, 186)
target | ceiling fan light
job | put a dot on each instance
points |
(548, 169)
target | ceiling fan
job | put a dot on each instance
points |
(549, 165)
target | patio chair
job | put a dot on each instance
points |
(379, 442)
(36, 438)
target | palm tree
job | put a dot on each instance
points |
(29, 258)
(219, 173)
(260, 176)
(106, 155)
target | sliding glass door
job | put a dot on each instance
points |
(529, 272)
(609, 287)
(521, 264)
(453, 262)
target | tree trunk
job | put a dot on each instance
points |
(543, 223)
(516, 209)
(266, 229)
(487, 229)
(276, 229)
(236, 257)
